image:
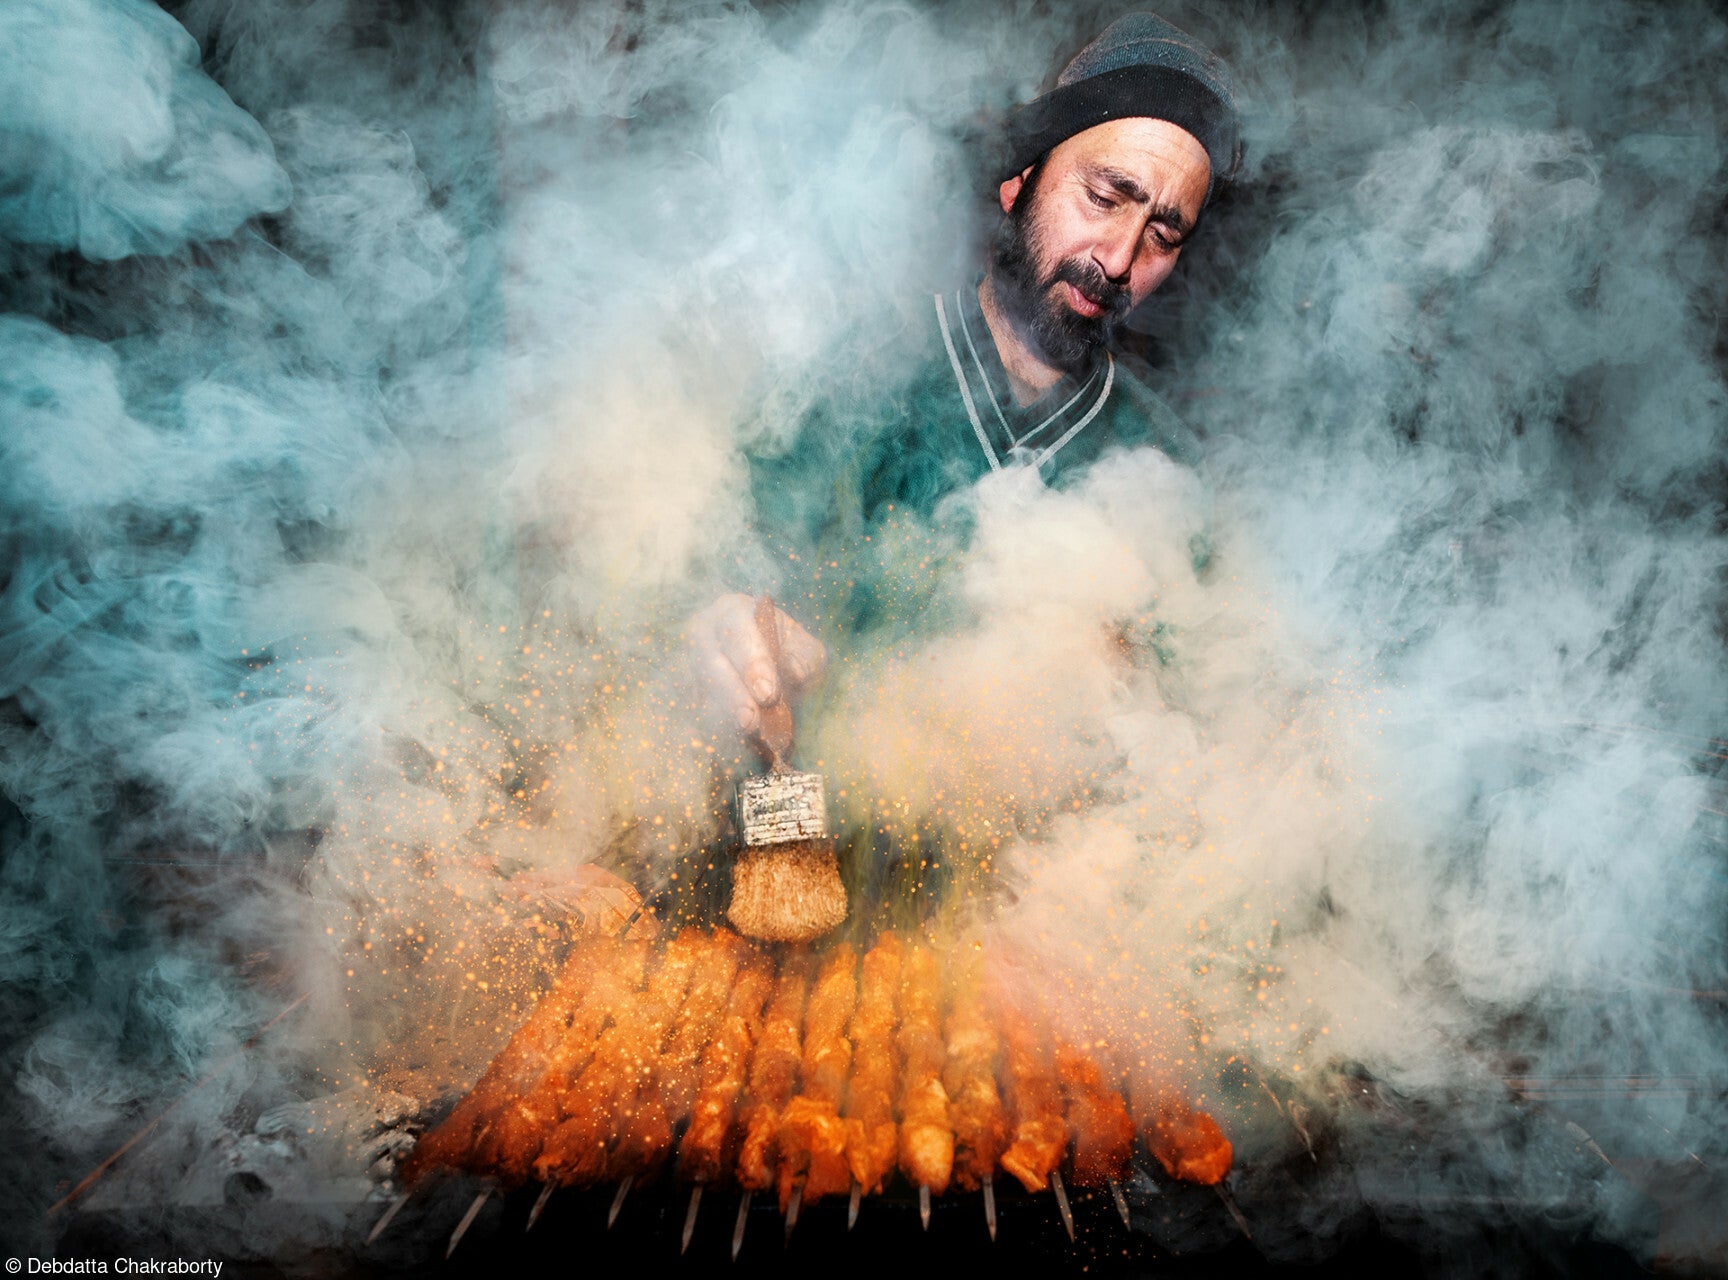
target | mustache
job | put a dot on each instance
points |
(1088, 277)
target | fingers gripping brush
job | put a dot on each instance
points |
(785, 882)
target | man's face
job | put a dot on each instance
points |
(1093, 229)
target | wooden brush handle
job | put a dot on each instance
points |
(776, 731)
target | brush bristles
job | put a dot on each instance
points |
(787, 893)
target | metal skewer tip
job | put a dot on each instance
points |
(1296, 1114)
(990, 1205)
(540, 1205)
(792, 1208)
(1230, 1204)
(1143, 1182)
(1121, 1203)
(389, 1216)
(467, 1221)
(924, 1206)
(743, 1221)
(1577, 1131)
(690, 1217)
(1062, 1203)
(618, 1200)
(852, 1205)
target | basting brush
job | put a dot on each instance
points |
(785, 881)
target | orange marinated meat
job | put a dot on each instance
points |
(926, 1131)
(511, 1145)
(1097, 1118)
(1038, 1134)
(969, 1074)
(812, 1136)
(1185, 1141)
(603, 1098)
(773, 1075)
(519, 1066)
(872, 1137)
(709, 1144)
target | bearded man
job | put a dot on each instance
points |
(1106, 179)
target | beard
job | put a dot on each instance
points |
(1031, 296)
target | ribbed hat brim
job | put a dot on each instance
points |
(1154, 92)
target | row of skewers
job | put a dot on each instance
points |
(804, 1074)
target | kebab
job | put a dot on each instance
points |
(872, 1137)
(773, 1077)
(704, 1008)
(511, 1143)
(1039, 1135)
(517, 1067)
(1186, 1142)
(459, 1141)
(969, 1075)
(604, 1095)
(667, 1081)
(812, 1136)
(1098, 1120)
(926, 1132)
(706, 1152)
(622, 1062)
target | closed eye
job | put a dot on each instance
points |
(1164, 237)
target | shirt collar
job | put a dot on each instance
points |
(1007, 431)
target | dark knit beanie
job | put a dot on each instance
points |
(1140, 65)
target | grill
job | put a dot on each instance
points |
(1384, 1187)
(1344, 1174)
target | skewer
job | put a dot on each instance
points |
(1121, 1203)
(642, 906)
(467, 1221)
(1577, 1131)
(540, 1205)
(1230, 1204)
(690, 1217)
(1691, 1154)
(743, 1221)
(1062, 1202)
(389, 1215)
(852, 1205)
(1293, 1113)
(90, 1179)
(1296, 1113)
(618, 1200)
(792, 1208)
(990, 1204)
(924, 1206)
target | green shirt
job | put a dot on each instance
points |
(874, 458)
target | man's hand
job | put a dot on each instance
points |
(735, 664)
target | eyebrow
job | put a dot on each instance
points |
(1128, 186)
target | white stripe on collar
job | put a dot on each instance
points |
(1109, 381)
(1084, 387)
(965, 391)
(1024, 440)
(978, 364)
(972, 406)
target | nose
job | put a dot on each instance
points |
(1116, 250)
